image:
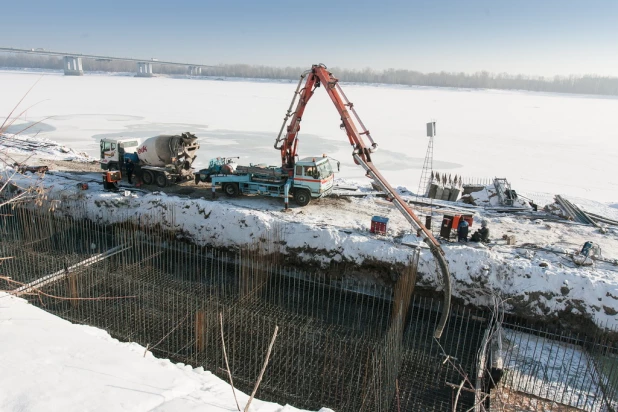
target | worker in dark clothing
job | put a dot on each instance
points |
(481, 235)
(129, 168)
(462, 230)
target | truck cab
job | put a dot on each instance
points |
(113, 151)
(314, 175)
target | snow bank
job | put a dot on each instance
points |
(49, 364)
(39, 147)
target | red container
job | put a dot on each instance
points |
(379, 225)
(467, 218)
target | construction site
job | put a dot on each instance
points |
(227, 266)
(348, 344)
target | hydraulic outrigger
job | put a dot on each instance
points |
(319, 75)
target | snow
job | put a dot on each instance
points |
(25, 147)
(58, 366)
(541, 142)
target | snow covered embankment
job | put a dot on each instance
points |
(537, 283)
(29, 147)
(49, 364)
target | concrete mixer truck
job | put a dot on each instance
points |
(162, 159)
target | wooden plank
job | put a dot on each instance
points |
(45, 280)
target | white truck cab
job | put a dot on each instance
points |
(113, 150)
(314, 174)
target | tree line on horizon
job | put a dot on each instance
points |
(587, 84)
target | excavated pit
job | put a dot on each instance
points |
(350, 338)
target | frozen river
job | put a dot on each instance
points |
(541, 142)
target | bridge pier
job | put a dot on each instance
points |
(73, 66)
(144, 69)
(195, 70)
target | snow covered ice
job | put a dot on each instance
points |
(552, 143)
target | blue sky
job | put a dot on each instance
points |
(543, 37)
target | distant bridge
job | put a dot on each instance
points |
(73, 61)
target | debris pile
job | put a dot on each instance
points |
(495, 195)
(568, 210)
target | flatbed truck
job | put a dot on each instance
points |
(311, 178)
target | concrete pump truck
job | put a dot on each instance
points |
(287, 143)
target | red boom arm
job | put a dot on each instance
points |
(319, 75)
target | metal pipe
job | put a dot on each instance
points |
(289, 112)
(434, 247)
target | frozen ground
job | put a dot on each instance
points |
(541, 142)
(49, 364)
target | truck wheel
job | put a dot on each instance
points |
(302, 197)
(147, 177)
(231, 189)
(161, 180)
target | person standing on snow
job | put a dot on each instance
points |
(462, 230)
(129, 168)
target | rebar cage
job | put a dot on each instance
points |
(345, 343)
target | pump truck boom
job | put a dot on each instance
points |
(287, 143)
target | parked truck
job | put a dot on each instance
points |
(311, 178)
(160, 159)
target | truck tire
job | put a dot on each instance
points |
(147, 177)
(161, 180)
(302, 197)
(231, 189)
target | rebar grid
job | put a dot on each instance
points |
(345, 344)
(560, 372)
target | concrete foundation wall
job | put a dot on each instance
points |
(454, 195)
(446, 193)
